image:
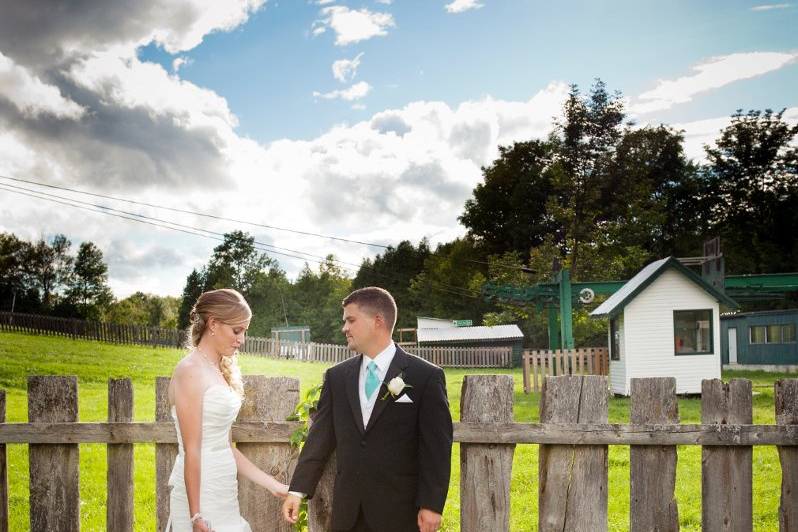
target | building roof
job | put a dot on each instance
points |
(496, 332)
(617, 301)
(753, 314)
(433, 323)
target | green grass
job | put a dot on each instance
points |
(94, 363)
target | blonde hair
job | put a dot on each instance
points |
(227, 306)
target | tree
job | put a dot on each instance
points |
(195, 285)
(753, 180)
(451, 282)
(585, 142)
(508, 210)
(144, 309)
(49, 268)
(394, 269)
(316, 300)
(236, 263)
(88, 290)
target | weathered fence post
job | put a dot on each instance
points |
(119, 507)
(726, 472)
(54, 469)
(165, 453)
(485, 469)
(320, 506)
(268, 399)
(525, 365)
(3, 470)
(786, 395)
(573, 479)
(653, 467)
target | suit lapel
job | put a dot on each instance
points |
(353, 394)
(398, 365)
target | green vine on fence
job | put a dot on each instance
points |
(303, 412)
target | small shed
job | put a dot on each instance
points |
(763, 340)
(480, 336)
(292, 333)
(664, 322)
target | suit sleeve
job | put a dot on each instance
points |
(319, 444)
(435, 445)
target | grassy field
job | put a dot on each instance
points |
(94, 363)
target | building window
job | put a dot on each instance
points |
(692, 331)
(772, 334)
(788, 333)
(758, 334)
(615, 339)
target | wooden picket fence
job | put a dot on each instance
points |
(450, 357)
(538, 364)
(573, 435)
(91, 330)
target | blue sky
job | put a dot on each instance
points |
(269, 67)
(365, 120)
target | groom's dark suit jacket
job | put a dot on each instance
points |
(398, 463)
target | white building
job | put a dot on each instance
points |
(664, 322)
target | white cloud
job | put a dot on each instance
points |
(358, 106)
(180, 62)
(352, 26)
(355, 92)
(458, 6)
(770, 7)
(32, 96)
(385, 2)
(713, 74)
(344, 70)
(698, 133)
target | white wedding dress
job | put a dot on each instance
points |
(218, 472)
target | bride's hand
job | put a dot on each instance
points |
(279, 490)
(201, 525)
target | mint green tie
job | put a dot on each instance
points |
(372, 381)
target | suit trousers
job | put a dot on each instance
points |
(360, 524)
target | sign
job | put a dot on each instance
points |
(462, 323)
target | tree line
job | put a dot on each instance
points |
(600, 195)
(46, 277)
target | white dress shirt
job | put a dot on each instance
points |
(383, 361)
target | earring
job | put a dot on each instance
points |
(213, 333)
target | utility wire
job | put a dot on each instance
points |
(213, 235)
(195, 213)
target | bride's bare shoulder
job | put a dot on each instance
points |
(188, 370)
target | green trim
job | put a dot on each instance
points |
(711, 332)
(690, 274)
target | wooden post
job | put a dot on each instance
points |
(165, 454)
(726, 472)
(3, 470)
(267, 399)
(54, 469)
(485, 469)
(573, 479)
(119, 508)
(653, 468)
(526, 371)
(786, 394)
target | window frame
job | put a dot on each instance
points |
(751, 335)
(783, 326)
(711, 332)
(613, 331)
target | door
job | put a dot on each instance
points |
(732, 345)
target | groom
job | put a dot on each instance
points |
(386, 415)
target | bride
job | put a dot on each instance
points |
(206, 393)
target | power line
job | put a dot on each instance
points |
(271, 247)
(213, 235)
(195, 213)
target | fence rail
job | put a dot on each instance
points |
(573, 435)
(538, 364)
(451, 357)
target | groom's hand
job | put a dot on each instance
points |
(291, 508)
(428, 521)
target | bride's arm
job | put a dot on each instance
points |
(249, 470)
(189, 387)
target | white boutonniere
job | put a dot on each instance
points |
(395, 387)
